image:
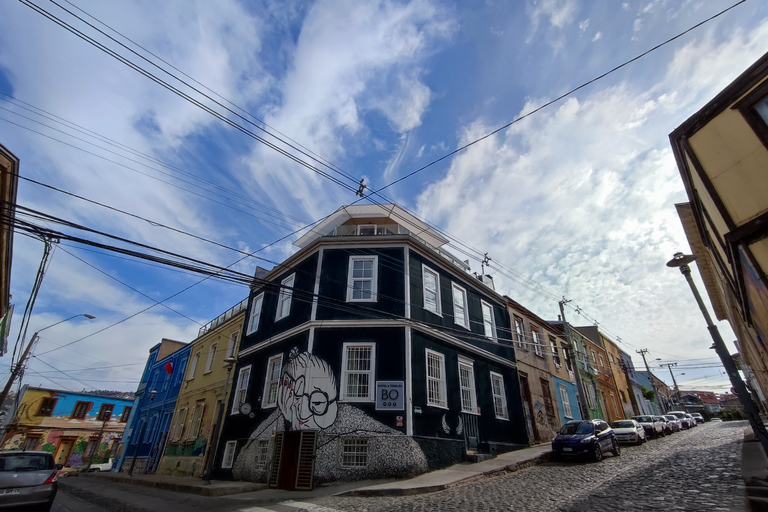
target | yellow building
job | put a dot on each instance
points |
(623, 386)
(722, 155)
(203, 389)
(9, 170)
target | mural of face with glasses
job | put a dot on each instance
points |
(307, 392)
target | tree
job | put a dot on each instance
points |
(648, 394)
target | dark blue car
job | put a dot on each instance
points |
(588, 438)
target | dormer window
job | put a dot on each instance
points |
(366, 230)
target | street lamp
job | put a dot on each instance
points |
(141, 434)
(20, 364)
(681, 261)
(229, 362)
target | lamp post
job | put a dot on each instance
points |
(141, 434)
(229, 362)
(20, 364)
(681, 261)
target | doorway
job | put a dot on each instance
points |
(533, 434)
(65, 450)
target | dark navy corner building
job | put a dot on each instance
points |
(369, 353)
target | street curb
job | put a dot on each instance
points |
(213, 491)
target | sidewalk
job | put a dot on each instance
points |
(754, 470)
(428, 482)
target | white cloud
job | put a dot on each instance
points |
(598, 36)
(559, 13)
(583, 25)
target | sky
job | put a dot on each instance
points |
(575, 200)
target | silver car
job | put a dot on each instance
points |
(27, 479)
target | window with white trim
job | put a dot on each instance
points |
(284, 300)
(241, 390)
(536, 341)
(499, 396)
(431, 281)
(262, 453)
(566, 402)
(256, 305)
(460, 314)
(211, 357)
(179, 420)
(467, 386)
(520, 333)
(436, 389)
(354, 453)
(271, 381)
(555, 353)
(568, 363)
(196, 420)
(193, 366)
(229, 454)
(357, 377)
(489, 322)
(362, 278)
(231, 344)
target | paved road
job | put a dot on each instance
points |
(697, 469)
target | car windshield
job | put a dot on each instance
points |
(576, 428)
(645, 419)
(623, 424)
(25, 462)
(671, 418)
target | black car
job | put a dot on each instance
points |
(590, 438)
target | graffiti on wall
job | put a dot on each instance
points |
(307, 394)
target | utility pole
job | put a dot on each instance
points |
(677, 389)
(574, 362)
(642, 353)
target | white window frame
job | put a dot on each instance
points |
(442, 399)
(286, 294)
(262, 453)
(211, 358)
(193, 366)
(424, 271)
(231, 345)
(374, 279)
(351, 451)
(360, 228)
(566, 403)
(536, 338)
(229, 454)
(555, 354)
(463, 294)
(489, 323)
(255, 318)
(500, 398)
(346, 373)
(467, 386)
(520, 333)
(274, 365)
(241, 390)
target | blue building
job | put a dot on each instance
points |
(153, 407)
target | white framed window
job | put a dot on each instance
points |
(467, 386)
(366, 229)
(229, 454)
(284, 300)
(256, 305)
(536, 342)
(555, 352)
(520, 332)
(231, 344)
(489, 322)
(355, 453)
(460, 314)
(431, 281)
(211, 357)
(357, 364)
(568, 363)
(263, 453)
(362, 278)
(499, 396)
(193, 366)
(566, 402)
(271, 381)
(241, 390)
(196, 420)
(602, 362)
(436, 390)
(179, 420)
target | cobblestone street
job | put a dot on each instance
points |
(697, 469)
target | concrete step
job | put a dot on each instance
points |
(757, 504)
(760, 491)
(478, 457)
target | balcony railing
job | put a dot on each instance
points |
(234, 310)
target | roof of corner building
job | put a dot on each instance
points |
(394, 212)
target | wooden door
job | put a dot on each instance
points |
(65, 449)
(525, 389)
(289, 461)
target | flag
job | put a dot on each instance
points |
(169, 367)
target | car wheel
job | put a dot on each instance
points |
(597, 454)
(616, 449)
(640, 441)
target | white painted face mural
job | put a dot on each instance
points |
(307, 392)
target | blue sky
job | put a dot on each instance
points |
(576, 200)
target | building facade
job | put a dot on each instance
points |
(722, 155)
(370, 353)
(204, 390)
(75, 427)
(9, 179)
(603, 378)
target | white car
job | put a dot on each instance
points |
(102, 466)
(674, 422)
(629, 431)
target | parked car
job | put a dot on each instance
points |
(691, 420)
(698, 417)
(716, 420)
(653, 427)
(102, 466)
(673, 422)
(590, 438)
(28, 479)
(684, 421)
(629, 431)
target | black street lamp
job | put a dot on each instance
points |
(681, 261)
(141, 434)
